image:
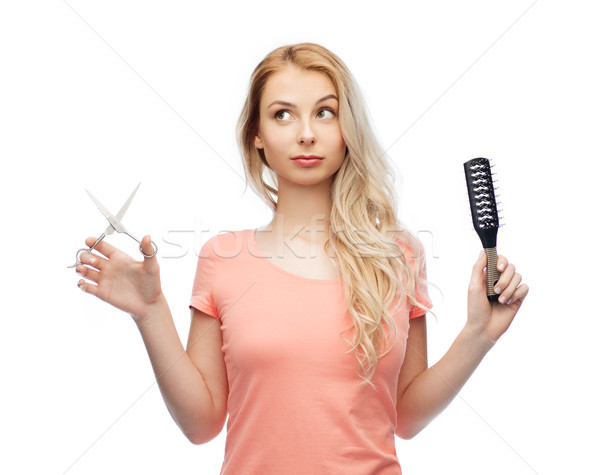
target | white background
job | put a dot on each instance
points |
(103, 95)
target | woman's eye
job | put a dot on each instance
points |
(280, 114)
(322, 114)
(325, 110)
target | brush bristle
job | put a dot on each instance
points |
(483, 194)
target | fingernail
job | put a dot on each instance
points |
(80, 285)
(497, 290)
(501, 267)
(92, 260)
(509, 301)
(501, 299)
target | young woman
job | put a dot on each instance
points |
(310, 331)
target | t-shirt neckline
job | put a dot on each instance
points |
(261, 257)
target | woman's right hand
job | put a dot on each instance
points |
(129, 285)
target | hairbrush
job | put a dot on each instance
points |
(485, 215)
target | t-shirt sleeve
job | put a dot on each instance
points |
(203, 290)
(421, 294)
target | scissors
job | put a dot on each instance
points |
(115, 225)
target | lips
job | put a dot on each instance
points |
(307, 157)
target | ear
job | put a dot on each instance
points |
(258, 142)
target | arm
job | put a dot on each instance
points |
(424, 392)
(430, 390)
(193, 383)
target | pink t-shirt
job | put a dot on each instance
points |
(295, 403)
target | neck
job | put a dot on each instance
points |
(303, 211)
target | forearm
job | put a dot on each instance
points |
(182, 386)
(431, 392)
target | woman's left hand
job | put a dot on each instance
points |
(491, 319)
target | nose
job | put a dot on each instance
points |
(306, 135)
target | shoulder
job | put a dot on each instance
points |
(408, 243)
(411, 250)
(225, 244)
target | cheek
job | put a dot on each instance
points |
(274, 140)
(337, 141)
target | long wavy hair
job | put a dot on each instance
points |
(375, 256)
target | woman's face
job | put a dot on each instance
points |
(299, 116)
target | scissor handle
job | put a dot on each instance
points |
(149, 255)
(77, 260)
(88, 249)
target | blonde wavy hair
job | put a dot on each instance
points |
(364, 236)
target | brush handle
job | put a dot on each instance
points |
(492, 274)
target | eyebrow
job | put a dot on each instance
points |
(289, 104)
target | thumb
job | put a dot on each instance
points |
(148, 249)
(478, 267)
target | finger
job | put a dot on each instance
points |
(480, 264)
(87, 287)
(508, 292)
(519, 295)
(505, 278)
(88, 272)
(93, 260)
(501, 263)
(89, 242)
(149, 262)
(147, 246)
(102, 247)
(478, 276)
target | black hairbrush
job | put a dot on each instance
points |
(485, 215)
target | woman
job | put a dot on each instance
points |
(309, 332)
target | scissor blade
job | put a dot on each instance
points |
(127, 203)
(107, 214)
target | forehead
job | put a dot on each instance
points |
(297, 86)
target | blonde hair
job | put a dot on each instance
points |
(364, 236)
